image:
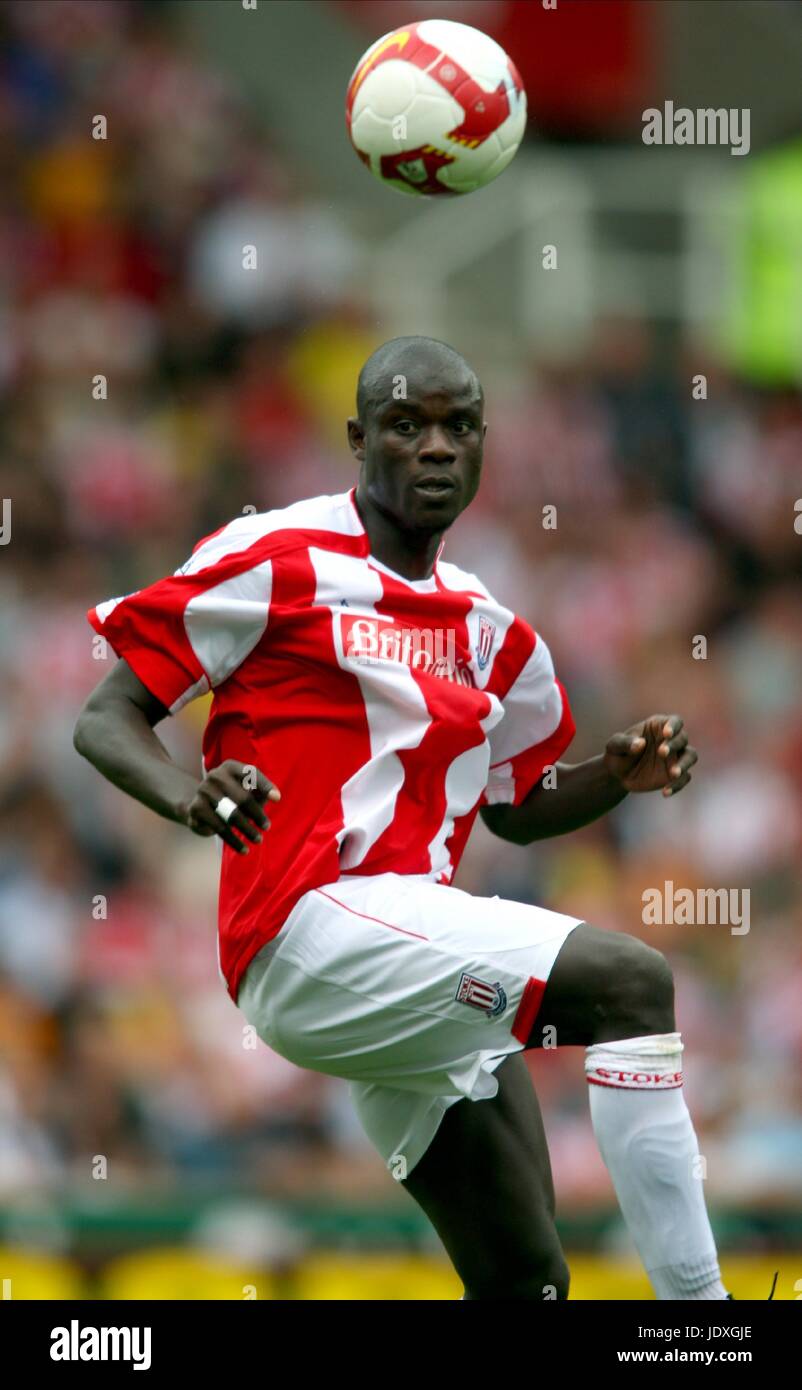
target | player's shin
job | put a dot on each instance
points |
(647, 1141)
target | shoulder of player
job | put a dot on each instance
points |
(523, 643)
(282, 528)
(463, 581)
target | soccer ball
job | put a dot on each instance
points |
(435, 107)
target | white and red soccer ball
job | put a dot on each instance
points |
(435, 108)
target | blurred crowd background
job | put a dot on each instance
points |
(675, 520)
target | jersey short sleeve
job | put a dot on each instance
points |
(537, 726)
(187, 633)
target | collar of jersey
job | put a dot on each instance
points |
(423, 586)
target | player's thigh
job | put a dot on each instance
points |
(485, 1184)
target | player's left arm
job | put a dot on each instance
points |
(654, 755)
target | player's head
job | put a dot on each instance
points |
(420, 416)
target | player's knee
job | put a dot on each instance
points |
(638, 988)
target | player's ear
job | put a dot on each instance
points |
(484, 430)
(356, 439)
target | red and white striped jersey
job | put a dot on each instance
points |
(386, 710)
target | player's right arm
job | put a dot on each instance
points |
(177, 639)
(115, 732)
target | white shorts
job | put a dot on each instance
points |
(411, 990)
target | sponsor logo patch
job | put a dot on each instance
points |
(371, 641)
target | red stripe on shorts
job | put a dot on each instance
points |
(528, 1009)
(368, 918)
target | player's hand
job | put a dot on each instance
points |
(248, 788)
(652, 755)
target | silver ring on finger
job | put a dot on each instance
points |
(225, 808)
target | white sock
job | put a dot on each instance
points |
(647, 1141)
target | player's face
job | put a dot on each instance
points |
(422, 456)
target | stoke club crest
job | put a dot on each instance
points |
(480, 994)
(484, 645)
